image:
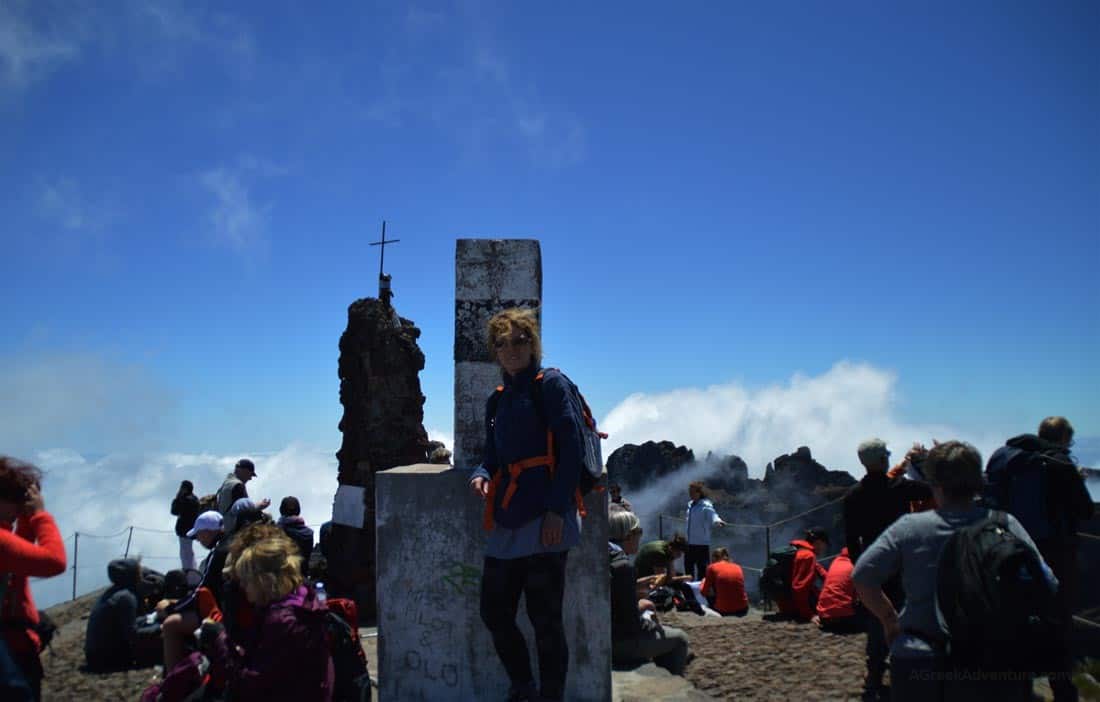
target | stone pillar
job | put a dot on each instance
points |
(432, 644)
(490, 275)
(382, 427)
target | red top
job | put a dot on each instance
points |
(804, 572)
(838, 595)
(728, 583)
(34, 549)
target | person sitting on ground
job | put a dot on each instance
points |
(805, 571)
(285, 655)
(185, 507)
(724, 585)
(838, 608)
(636, 634)
(111, 639)
(617, 501)
(180, 619)
(290, 521)
(659, 554)
(33, 549)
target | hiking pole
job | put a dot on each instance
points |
(127, 553)
(76, 552)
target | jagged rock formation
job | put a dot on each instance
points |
(799, 470)
(382, 426)
(634, 466)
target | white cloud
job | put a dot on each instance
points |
(90, 399)
(103, 497)
(831, 413)
(37, 38)
(29, 51)
(236, 220)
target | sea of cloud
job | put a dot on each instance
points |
(102, 496)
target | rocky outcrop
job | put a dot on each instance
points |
(634, 466)
(799, 471)
(382, 427)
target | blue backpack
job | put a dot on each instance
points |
(1016, 483)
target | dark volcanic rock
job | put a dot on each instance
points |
(799, 470)
(382, 426)
(633, 466)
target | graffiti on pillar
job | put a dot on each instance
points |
(430, 660)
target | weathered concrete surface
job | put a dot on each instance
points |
(490, 275)
(432, 643)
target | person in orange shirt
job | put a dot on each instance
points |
(838, 608)
(33, 549)
(805, 570)
(724, 585)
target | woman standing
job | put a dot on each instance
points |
(186, 509)
(700, 518)
(34, 549)
(529, 479)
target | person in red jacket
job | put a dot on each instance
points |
(724, 585)
(33, 549)
(838, 607)
(805, 570)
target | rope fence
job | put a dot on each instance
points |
(73, 543)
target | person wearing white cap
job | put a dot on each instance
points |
(181, 618)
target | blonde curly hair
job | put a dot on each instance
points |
(265, 562)
(525, 321)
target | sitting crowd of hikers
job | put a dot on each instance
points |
(248, 623)
(964, 581)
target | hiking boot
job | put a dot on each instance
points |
(875, 694)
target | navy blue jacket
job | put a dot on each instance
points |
(518, 432)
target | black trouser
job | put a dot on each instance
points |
(1061, 556)
(696, 560)
(541, 579)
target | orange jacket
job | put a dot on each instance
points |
(805, 570)
(727, 581)
(838, 594)
(34, 549)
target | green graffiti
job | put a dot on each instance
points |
(461, 578)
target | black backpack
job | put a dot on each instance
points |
(775, 579)
(591, 435)
(999, 611)
(352, 680)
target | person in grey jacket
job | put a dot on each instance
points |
(636, 635)
(110, 642)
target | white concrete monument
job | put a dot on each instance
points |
(432, 643)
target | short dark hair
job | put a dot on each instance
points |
(701, 487)
(678, 542)
(187, 485)
(16, 477)
(246, 463)
(1056, 430)
(290, 507)
(956, 467)
(816, 533)
(719, 554)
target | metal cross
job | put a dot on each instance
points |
(383, 243)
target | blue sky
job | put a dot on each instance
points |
(734, 196)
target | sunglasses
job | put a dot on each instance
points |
(511, 343)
